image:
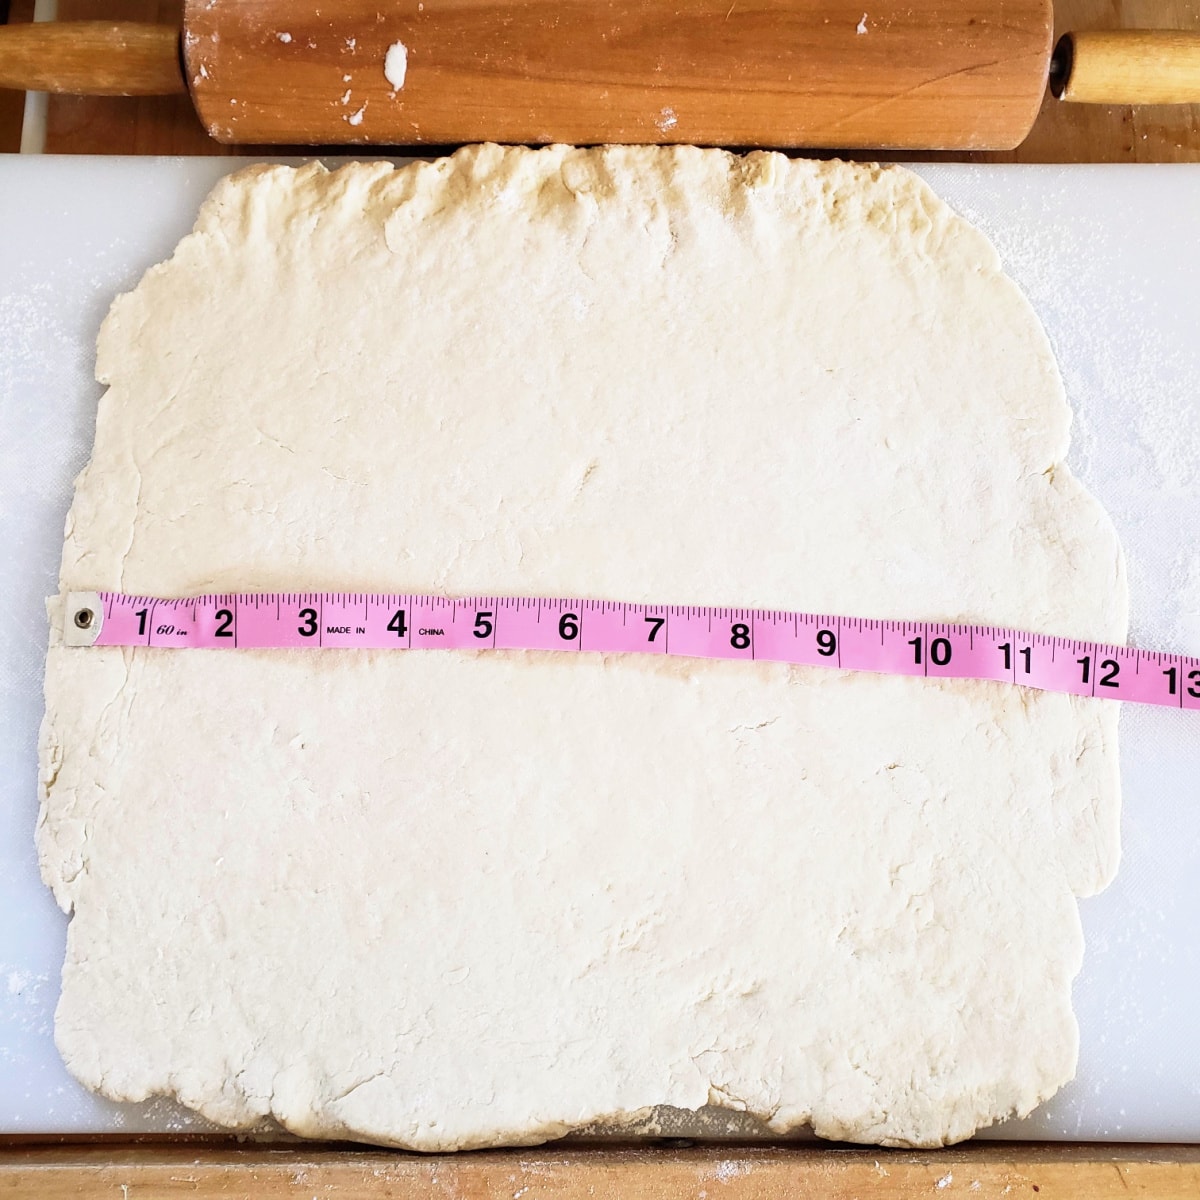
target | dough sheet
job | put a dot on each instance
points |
(444, 900)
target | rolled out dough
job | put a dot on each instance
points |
(442, 900)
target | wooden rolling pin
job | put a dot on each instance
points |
(903, 74)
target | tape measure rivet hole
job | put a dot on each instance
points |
(84, 617)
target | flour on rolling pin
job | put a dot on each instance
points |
(395, 65)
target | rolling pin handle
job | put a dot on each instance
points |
(92, 58)
(1127, 66)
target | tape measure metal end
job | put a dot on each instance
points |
(83, 618)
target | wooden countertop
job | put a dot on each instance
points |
(1063, 132)
(987, 1170)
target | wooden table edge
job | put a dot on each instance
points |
(54, 1168)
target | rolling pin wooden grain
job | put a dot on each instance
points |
(889, 74)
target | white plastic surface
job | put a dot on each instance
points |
(1110, 257)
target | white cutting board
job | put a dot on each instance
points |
(1110, 257)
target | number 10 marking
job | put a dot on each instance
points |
(940, 651)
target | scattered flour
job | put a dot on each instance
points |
(730, 1168)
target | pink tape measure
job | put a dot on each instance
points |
(361, 621)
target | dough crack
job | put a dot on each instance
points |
(133, 521)
(346, 1093)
